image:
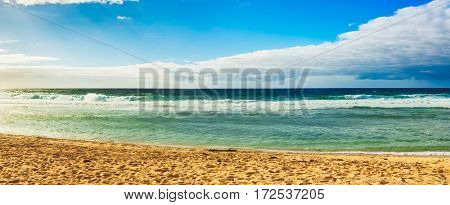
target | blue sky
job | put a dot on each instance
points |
(191, 31)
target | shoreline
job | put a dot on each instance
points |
(40, 160)
(249, 149)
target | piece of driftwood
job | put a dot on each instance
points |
(223, 150)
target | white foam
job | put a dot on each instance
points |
(380, 103)
(224, 105)
(354, 97)
(92, 97)
(245, 106)
(423, 153)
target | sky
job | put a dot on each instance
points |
(103, 43)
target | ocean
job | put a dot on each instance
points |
(375, 120)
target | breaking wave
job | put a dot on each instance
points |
(223, 105)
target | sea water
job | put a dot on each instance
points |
(400, 120)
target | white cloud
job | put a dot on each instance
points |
(421, 40)
(7, 58)
(32, 76)
(8, 41)
(42, 2)
(123, 18)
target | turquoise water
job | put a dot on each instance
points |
(315, 119)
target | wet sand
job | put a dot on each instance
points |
(37, 160)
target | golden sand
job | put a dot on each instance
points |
(36, 160)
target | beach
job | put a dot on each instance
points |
(39, 160)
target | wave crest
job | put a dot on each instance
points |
(131, 102)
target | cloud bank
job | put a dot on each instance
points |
(414, 38)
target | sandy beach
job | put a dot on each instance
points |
(37, 160)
